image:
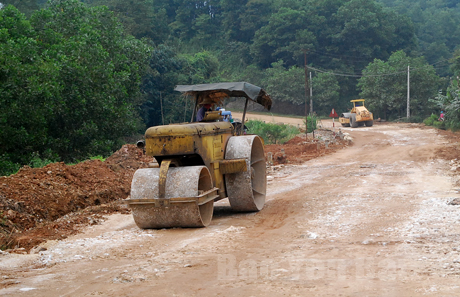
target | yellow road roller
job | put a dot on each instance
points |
(358, 115)
(200, 163)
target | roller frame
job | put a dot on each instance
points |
(164, 202)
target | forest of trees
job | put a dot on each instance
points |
(76, 77)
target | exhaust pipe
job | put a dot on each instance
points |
(140, 144)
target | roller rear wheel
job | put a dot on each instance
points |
(180, 182)
(246, 190)
(353, 122)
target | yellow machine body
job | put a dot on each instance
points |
(194, 144)
(358, 115)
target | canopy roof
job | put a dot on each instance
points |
(219, 91)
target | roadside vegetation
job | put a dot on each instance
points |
(450, 105)
(272, 133)
(312, 121)
(80, 77)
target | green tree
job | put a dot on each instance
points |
(364, 29)
(69, 82)
(285, 84)
(139, 18)
(287, 33)
(25, 6)
(288, 85)
(188, 17)
(343, 35)
(158, 85)
(242, 18)
(207, 31)
(384, 84)
(437, 27)
(455, 63)
(163, 104)
(198, 68)
(450, 103)
(235, 59)
(28, 88)
(100, 72)
(325, 93)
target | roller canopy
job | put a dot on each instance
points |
(228, 89)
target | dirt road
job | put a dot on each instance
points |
(375, 219)
(299, 122)
(267, 117)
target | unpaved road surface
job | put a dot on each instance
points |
(267, 117)
(374, 219)
(298, 121)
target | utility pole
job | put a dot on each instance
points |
(185, 107)
(311, 96)
(161, 107)
(408, 91)
(306, 93)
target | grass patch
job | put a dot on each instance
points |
(272, 133)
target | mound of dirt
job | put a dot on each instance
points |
(452, 150)
(301, 149)
(32, 201)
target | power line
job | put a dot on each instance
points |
(384, 74)
(339, 56)
(354, 58)
(353, 74)
(376, 75)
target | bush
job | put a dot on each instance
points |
(416, 119)
(34, 160)
(312, 122)
(39, 162)
(99, 157)
(7, 167)
(433, 121)
(272, 133)
(439, 125)
(429, 121)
